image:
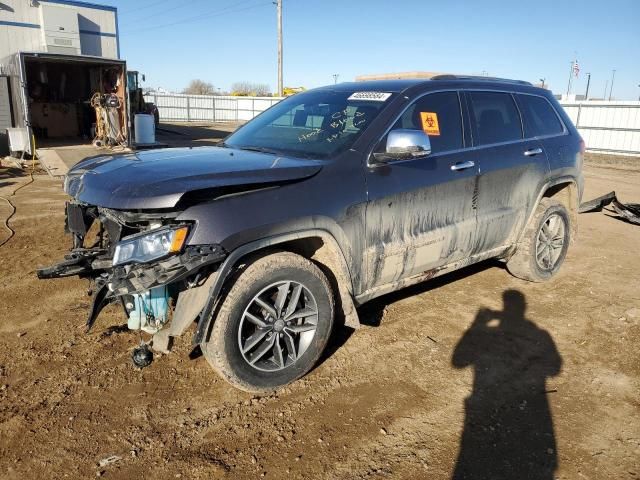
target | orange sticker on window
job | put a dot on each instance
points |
(430, 123)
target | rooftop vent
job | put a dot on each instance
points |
(60, 29)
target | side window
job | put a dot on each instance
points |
(438, 114)
(496, 117)
(539, 117)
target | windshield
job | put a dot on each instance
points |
(317, 124)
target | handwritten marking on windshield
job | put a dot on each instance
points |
(306, 136)
(335, 128)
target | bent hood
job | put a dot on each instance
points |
(155, 179)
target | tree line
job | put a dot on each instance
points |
(241, 89)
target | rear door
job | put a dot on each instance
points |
(511, 167)
(420, 212)
(542, 122)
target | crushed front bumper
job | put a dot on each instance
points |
(112, 283)
(135, 278)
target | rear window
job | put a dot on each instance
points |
(496, 117)
(539, 116)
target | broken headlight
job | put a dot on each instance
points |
(149, 246)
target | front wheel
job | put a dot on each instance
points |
(273, 324)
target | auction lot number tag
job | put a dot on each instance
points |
(430, 123)
(371, 96)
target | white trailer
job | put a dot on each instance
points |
(51, 94)
(55, 55)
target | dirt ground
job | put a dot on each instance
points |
(435, 382)
(193, 134)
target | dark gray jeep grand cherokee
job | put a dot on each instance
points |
(328, 199)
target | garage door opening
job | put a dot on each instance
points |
(76, 102)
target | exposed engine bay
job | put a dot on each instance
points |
(133, 258)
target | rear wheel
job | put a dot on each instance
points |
(273, 324)
(544, 245)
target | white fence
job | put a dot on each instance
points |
(607, 127)
(208, 108)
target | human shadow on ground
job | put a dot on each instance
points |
(508, 427)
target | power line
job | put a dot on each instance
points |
(203, 16)
(142, 7)
(161, 12)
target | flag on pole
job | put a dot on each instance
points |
(576, 68)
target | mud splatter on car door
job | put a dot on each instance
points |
(421, 212)
(511, 168)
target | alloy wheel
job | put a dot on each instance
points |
(277, 326)
(550, 241)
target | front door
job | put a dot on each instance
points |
(420, 212)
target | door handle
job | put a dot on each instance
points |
(462, 166)
(532, 152)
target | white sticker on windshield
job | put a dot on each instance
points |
(371, 96)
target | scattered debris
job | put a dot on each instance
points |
(628, 211)
(142, 356)
(383, 431)
(109, 460)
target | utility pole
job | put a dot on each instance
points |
(279, 8)
(586, 93)
(335, 78)
(613, 76)
(606, 85)
(570, 75)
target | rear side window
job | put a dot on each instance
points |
(496, 117)
(539, 116)
(438, 115)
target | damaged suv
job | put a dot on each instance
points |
(329, 199)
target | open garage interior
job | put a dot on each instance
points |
(76, 101)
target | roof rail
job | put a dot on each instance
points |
(479, 78)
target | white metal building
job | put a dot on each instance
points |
(58, 26)
(59, 59)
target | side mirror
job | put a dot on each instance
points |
(404, 144)
(144, 78)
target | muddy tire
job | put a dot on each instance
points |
(544, 243)
(273, 324)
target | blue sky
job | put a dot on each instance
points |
(223, 41)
